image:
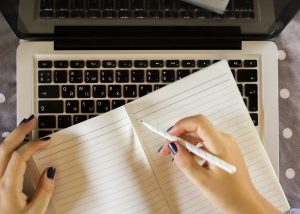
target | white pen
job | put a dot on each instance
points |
(194, 149)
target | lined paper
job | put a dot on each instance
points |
(101, 167)
(211, 92)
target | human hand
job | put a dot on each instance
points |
(235, 193)
(12, 168)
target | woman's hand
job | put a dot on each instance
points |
(12, 168)
(235, 193)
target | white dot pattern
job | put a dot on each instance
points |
(287, 133)
(290, 173)
(2, 98)
(281, 55)
(284, 93)
(5, 134)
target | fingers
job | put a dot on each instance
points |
(42, 195)
(13, 140)
(14, 173)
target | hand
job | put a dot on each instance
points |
(12, 168)
(235, 193)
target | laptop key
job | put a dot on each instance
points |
(122, 76)
(241, 88)
(87, 106)
(79, 118)
(91, 76)
(117, 103)
(172, 63)
(250, 63)
(61, 64)
(235, 63)
(247, 5)
(130, 91)
(67, 91)
(186, 14)
(233, 73)
(168, 75)
(44, 133)
(92, 4)
(251, 93)
(107, 4)
(72, 106)
(247, 75)
(61, 4)
(181, 73)
(188, 63)
(51, 106)
(46, 5)
(62, 14)
(247, 14)
(166, 4)
(203, 63)
(156, 63)
(114, 91)
(75, 76)
(125, 64)
(137, 4)
(77, 64)
(158, 86)
(106, 76)
(99, 91)
(45, 64)
(45, 76)
(152, 75)
(60, 76)
(171, 14)
(93, 64)
(125, 14)
(109, 14)
(64, 121)
(144, 89)
(155, 14)
(47, 121)
(48, 91)
(152, 4)
(141, 63)
(103, 106)
(46, 14)
(254, 118)
(140, 14)
(122, 4)
(77, 5)
(92, 115)
(83, 91)
(137, 76)
(109, 63)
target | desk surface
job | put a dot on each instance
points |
(289, 101)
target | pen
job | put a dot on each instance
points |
(194, 149)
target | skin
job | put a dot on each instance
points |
(12, 168)
(235, 192)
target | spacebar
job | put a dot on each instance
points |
(51, 106)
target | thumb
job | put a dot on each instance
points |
(187, 164)
(42, 195)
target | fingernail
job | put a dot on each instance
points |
(173, 148)
(29, 118)
(51, 172)
(45, 138)
(159, 149)
(22, 121)
(169, 128)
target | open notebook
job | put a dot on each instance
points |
(110, 164)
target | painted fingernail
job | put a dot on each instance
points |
(29, 118)
(159, 149)
(45, 138)
(169, 128)
(173, 148)
(22, 121)
(51, 172)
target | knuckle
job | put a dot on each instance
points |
(17, 156)
(201, 118)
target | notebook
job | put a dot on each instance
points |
(110, 163)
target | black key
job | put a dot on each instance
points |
(140, 14)
(216, 60)
(250, 63)
(144, 89)
(61, 4)
(92, 115)
(92, 4)
(64, 121)
(168, 75)
(233, 73)
(93, 14)
(152, 75)
(68, 91)
(125, 14)
(93, 64)
(109, 63)
(87, 106)
(241, 88)
(60, 76)
(61, 64)
(62, 14)
(109, 14)
(91, 76)
(79, 118)
(106, 76)
(44, 76)
(172, 63)
(46, 5)
(114, 91)
(171, 14)
(236, 5)
(184, 6)
(77, 64)
(231, 15)
(155, 15)
(125, 64)
(72, 106)
(156, 63)
(186, 14)
(188, 63)
(99, 91)
(122, 4)
(84, 91)
(117, 103)
(195, 70)
(77, 5)
(247, 5)
(103, 106)
(107, 4)
(141, 63)
(202, 14)
(75, 76)
(251, 93)
(77, 14)
(122, 76)
(137, 4)
(167, 4)
(130, 91)
(46, 14)
(129, 101)
(235, 63)
(45, 64)
(247, 75)
(247, 14)
(44, 133)
(51, 106)
(181, 73)
(203, 63)
(254, 118)
(137, 76)
(152, 4)
(158, 86)
(245, 101)
(217, 16)
(48, 91)
(47, 122)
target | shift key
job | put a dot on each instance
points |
(51, 106)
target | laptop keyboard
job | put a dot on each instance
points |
(140, 9)
(72, 91)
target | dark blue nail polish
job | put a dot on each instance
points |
(170, 128)
(173, 148)
(159, 149)
(51, 172)
(45, 138)
(23, 121)
(29, 118)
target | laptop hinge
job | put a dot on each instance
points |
(147, 38)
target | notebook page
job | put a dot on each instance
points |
(101, 167)
(211, 92)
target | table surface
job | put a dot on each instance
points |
(289, 102)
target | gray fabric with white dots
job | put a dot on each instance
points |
(289, 103)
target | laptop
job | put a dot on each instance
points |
(81, 58)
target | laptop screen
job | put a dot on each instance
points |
(47, 19)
